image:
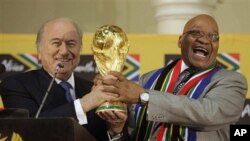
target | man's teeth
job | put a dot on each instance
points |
(63, 60)
(201, 51)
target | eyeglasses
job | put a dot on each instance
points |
(214, 37)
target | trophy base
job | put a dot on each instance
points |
(112, 106)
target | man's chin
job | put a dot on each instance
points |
(199, 65)
(202, 67)
(63, 73)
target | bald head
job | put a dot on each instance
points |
(201, 20)
(40, 32)
(199, 42)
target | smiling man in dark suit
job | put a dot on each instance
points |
(192, 98)
(59, 43)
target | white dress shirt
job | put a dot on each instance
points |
(80, 114)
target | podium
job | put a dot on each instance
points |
(43, 129)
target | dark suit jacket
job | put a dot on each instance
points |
(26, 90)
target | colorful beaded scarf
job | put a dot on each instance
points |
(164, 80)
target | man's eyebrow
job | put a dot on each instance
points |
(72, 40)
(54, 39)
(58, 39)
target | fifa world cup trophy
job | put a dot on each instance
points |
(110, 47)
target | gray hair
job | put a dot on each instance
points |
(40, 32)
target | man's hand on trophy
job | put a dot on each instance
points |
(127, 90)
(115, 120)
(99, 79)
(96, 97)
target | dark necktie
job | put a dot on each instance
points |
(66, 86)
(183, 78)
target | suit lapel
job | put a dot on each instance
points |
(56, 95)
(82, 86)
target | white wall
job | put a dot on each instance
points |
(134, 16)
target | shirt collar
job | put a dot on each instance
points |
(183, 66)
(71, 80)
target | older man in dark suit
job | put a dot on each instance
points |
(59, 43)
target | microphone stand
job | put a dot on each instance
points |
(48, 90)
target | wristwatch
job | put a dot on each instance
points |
(144, 98)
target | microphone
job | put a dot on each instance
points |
(59, 66)
(2, 69)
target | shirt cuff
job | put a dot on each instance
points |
(116, 137)
(80, 114)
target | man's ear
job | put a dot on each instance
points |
(180, 41)
(38, 56)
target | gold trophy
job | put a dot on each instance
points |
(110, 47)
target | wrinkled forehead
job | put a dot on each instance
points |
(204, 23)
(61, 29)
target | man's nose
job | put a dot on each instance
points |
(204, 39)
(63, 49)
